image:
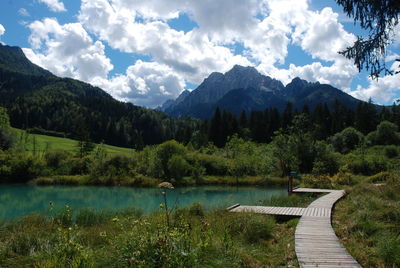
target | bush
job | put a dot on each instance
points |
(213, 164)
(57, 160)
(326, 161)
(368, 166)
(165, 151)
(177, 167)
(259, 227)
(19, 168)
(379, 177)
(391, 151)
(7, 139)
(347, 140)
(252, 227)
(196, 209)
(385, 134)
(79, 165)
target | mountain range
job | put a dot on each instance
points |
(245, 89)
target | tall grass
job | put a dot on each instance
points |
(368, 222)
(129, 239)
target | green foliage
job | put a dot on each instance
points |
(7, 136)
(213, 164)
(385, 134)
(164, 153)
(379, 19)
(366, 165)
(178, 167)
(58, 161)
(4, 119)
(252, 228)
(19, 167)
(347, 140)
(326, 161)
(295, 148)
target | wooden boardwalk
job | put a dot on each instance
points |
(316, 243)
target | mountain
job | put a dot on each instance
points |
(245, 89)
(35, 98)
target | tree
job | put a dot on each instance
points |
(294, 148)
(347, 140)
(215, 132)
(7, 137)
(380, 19)
(385, 134)
(164, 153)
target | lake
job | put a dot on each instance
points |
(20, 200)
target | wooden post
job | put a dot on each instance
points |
(290, 184)
(290, 181)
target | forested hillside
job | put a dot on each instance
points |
(37, 99)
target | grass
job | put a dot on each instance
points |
(144, 181)
(367, 221)
(46, 143)
(137, 181)
(246, 180)
(194, 239)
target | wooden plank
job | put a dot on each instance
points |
(316, 243)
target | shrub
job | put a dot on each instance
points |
(196, 209)
(326, 161)
(177, 167)
(391, 151)
(213, 164)
(25, 167)
(79, 165)
(165, 151)
(385, 134)
(347, 140)
(379, 177)
(7, 139)
(252, 227)
(369, 165)
(57, 160)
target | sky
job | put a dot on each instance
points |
(149, 51)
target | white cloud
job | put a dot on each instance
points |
(2, 30)
(145, 83)
(339, 74)
(318, 33)
(325, 36)
(383, 91)
(54, 5)
(192, 55)
(23, 12)
(67, 50)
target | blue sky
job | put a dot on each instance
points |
(148, 51)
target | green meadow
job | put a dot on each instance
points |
(43, 143)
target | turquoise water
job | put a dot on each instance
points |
(20, 200)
